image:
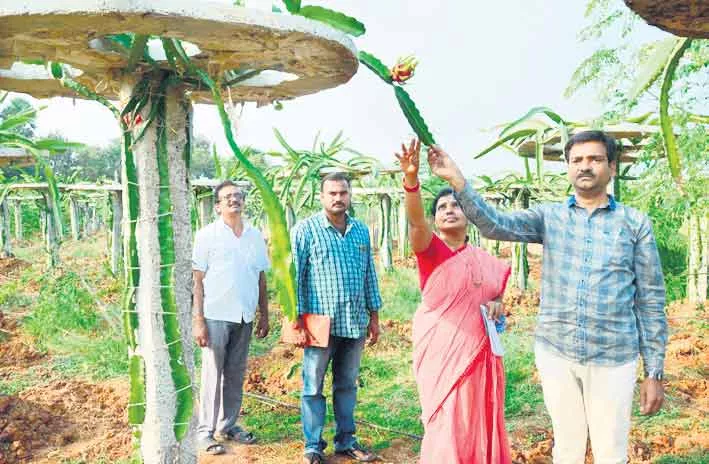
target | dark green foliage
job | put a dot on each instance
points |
(668, 135)
(292, 5)
(699, 457)
(376, 66)
(413, 116)
(19, 106)
(63, 305)
(335, 19)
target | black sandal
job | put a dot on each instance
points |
(237, 435)
(312, 458)
(358, 453)
(212, 447)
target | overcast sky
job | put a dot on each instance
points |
(481, 64)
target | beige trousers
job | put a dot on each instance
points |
(583, 399)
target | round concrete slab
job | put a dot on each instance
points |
(15, 158)
(302, 56)
(685, 18)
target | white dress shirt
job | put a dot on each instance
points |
(232, 266)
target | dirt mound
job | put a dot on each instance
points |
(64, 420)
(26, 426)
(278, 373)
(683, 309)
(15, 350)
(521, 303)
(685, 349)
(275, 374)
(400, 331)
(408, 262)
(10, 268)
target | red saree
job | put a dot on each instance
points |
(461, 383)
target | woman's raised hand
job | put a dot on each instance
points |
(409, 159)
(443, 166)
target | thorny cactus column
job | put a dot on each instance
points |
(385, 248)
(161, 156)
(5, 246)
(17, 210)
(116, 244)
(74, 220)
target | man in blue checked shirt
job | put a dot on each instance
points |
(336, 277)
(602, 301)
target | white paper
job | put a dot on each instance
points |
(495, 340)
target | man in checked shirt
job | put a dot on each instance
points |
(336, 277)
(602, 302)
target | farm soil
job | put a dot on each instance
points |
(57, 419)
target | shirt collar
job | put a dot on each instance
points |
(612, 204)
(325, 222)
(246, 224)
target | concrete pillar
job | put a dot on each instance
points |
(116, 238)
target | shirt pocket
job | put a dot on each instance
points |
(361, 252)
(621, 244)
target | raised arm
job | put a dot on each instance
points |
(517, 226)
(419, 231)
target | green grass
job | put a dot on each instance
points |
(400, 294)
(98, 357)
(522, 396)
(700, 457)
(95, 461)
(16, 384)
(63, 319)
(63, 307)
(258, 347)
(269, 423)
(13, 296)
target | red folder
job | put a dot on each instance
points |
(317, 330)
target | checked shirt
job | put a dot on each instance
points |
(335, 274)
(603, 293)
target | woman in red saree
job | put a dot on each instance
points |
(461, 382)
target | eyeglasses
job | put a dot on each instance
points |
(235, 196)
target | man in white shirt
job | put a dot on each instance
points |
(229, 261)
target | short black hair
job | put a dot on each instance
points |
(444, 192)
(593, 136)
(226, 183)
(336, 176)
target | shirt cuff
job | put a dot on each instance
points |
(653, 369)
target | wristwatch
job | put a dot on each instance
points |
(656, 374)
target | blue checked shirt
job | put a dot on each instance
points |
(335, 274)
(603, 293)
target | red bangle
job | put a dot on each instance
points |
(413, 189)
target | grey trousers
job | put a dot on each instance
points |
(223, 370)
